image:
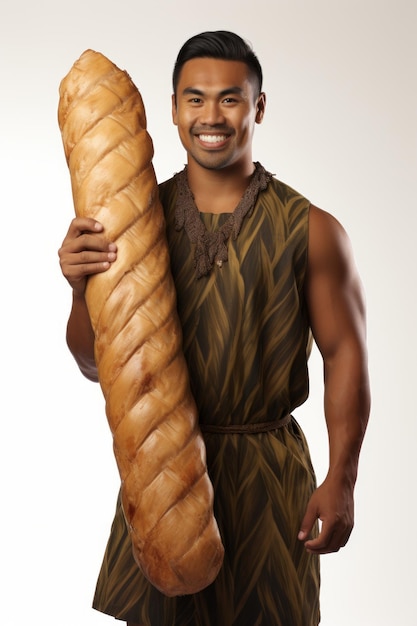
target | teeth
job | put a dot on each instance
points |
(212, 138)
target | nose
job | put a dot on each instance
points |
(211, 114)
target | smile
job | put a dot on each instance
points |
(213, 138)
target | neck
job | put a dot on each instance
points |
(218, 191)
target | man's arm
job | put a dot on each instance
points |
(80, 337)
(337, 316)
(84, 251)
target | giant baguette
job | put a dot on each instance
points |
(166, 493)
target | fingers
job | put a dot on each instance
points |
(85, 251)
(81, 263)
(80, 226)
(331, 538)
(333, 507)
(308, 522)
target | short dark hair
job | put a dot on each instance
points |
(219, 44)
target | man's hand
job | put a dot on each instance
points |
(332, 503)
(84, 251)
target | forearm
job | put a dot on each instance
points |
(80, 337)
(346, 404)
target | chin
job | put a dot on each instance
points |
(218, 163)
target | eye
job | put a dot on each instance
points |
(231, 100)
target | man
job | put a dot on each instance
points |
(257, 270)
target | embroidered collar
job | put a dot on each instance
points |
(211, 247)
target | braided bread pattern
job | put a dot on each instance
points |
(166, 492)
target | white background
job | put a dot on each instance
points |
(340, 78)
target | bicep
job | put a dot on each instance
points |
(333, 288)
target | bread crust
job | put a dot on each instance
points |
(166, 493)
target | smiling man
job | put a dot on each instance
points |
(215, 107)
(259, 271)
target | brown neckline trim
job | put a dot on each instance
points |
(211, 247)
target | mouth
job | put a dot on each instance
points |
(212, 140)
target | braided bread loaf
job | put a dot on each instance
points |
(166, 493)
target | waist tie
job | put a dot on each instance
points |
(246, 429)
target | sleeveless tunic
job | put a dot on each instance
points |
(246, 341)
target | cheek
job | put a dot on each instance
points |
(183, 125)
(183, 120)
(183, 132)
(246, 128)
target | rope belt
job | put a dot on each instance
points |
(246, 429)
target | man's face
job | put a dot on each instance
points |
(215, 110)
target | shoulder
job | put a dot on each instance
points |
(323, 222)
(329, 246)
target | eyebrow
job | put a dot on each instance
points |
(197, 92)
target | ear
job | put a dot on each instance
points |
(174, 109)
(260, 108)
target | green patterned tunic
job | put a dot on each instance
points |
(246, 340)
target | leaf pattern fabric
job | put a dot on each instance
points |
(246, 340)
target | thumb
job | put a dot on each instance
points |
(308, 522)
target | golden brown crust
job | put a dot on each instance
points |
(166, 493)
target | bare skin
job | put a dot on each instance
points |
(84, 251)
(337, 316)
(215, 110)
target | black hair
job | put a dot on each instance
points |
(220, 44)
